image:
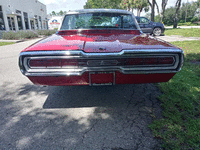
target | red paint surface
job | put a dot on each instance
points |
(119, 79)
(91, 40)
(102, 78)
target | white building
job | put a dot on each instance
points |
(22, 15)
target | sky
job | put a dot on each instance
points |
(66, 5)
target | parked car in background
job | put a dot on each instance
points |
(100, 47)
(147, 26)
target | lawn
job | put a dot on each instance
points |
(193, 32)
(6, 43)
(180, 127)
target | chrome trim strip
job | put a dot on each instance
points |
(81, 53)
(77, 71)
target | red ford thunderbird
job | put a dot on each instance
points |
(100, 47)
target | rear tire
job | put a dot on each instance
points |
(157, 31)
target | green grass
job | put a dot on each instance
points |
(193, 32)
(191, 49)
(6, 43)
(180, 127)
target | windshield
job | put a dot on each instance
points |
(98, 20)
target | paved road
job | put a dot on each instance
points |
(77, 118)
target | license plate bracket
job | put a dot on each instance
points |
(101, 78)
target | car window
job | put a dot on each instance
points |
(144, 20)
(98, 20)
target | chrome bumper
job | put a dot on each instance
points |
(78, 71)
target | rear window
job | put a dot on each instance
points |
(98, 20)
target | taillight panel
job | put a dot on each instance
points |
(150, 61)
(59, 63)
(51, 63)
(63, 63)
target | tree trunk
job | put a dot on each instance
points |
(161, 17)
(138, 12)
(178, 4)
(152, 10)
(157, 7)
(164, 3)
(152, 5)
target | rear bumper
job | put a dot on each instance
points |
(84, 79)
(24, 58)
(81, 75)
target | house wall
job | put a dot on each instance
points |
(13, 15)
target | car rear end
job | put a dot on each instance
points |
(100, 47)
(80, 68)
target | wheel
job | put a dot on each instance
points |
(157, 31)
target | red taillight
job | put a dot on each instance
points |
(95, 63)
(52, 62)
(69, 62)
(150, 61)
(37, 63)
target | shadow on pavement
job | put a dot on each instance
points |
(86, 96)
(77, 117)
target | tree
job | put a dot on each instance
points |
(88, 4)
(169, 14)
(148, 15)
(152, 5)
(141, 5)
(198, 3)
(163, 6)
(102, 4)
(187, 11)
(61, 13)
(53, 13)
(127, 4)
(177, 6)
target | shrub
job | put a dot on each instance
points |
(182, 21)
(13, 35)
(195, 19)
(184, 24)
(46, 32)
(29, 34)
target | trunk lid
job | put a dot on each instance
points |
(99, 41)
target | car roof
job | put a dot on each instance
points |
(99, 10)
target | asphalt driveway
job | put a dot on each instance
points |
(73, 117)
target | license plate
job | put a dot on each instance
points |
(102, 78)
